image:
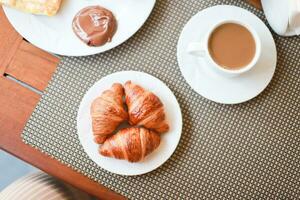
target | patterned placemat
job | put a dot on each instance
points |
(247, 151)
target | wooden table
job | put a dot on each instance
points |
(22, 62)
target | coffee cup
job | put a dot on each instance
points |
(229, 47)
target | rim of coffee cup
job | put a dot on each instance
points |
(257, 47)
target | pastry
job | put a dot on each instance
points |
(131, 144)
(107, 112)
(94, 25)
(145, 108)
(43, 7)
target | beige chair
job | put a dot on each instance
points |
(40, 186)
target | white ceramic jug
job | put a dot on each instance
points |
(283, 16)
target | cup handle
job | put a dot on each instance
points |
(197, 49)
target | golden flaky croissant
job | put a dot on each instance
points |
(145, 108)
(132, 144)
(107, 112)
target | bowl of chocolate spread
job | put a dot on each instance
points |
(94, 25)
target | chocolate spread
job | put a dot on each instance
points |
(94, 25)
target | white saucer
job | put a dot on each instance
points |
(55, 34)
(216, 87)
(169, 140)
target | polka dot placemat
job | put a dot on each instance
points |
(246, 151)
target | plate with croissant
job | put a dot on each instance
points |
(77, 27)
(129, 123)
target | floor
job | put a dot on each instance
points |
(12, 168)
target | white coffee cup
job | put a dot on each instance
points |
(201, 49)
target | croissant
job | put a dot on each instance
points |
(145, 108)
(107, 112)
(132, 144)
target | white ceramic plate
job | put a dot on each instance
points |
(213, 86)
(169, 140)
(55, 34)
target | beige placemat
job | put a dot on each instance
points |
(247, 151)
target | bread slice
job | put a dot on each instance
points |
(40, 7)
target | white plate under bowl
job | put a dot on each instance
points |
(55, 34)
(211, 85)
(169, 140)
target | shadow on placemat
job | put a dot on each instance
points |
(247, 151)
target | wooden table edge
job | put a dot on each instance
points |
(76, 179)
